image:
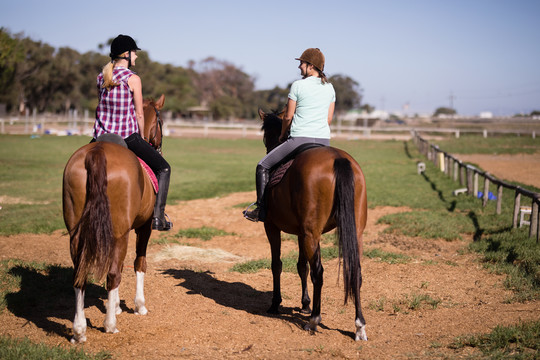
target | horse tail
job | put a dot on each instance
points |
(94, 229)
(346, 226)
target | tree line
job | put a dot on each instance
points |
(35, 75)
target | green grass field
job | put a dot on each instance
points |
(31, 184)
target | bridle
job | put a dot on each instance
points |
(159, 127)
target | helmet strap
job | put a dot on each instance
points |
(128, 58)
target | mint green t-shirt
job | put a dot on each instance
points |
(313, 98)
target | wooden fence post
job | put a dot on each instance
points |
(486, 190)
(475, 183)
(499, 198)
(517, 201)
(469, 180)
(533, 228)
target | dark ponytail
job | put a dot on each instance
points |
(324, 80)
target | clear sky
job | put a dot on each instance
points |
(477, 55)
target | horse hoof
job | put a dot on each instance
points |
(362, 337)
(78, 339)
(360, 331)
(274, 309)
(141, 311)
(306, 310)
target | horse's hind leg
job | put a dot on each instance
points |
(309, 246)
(317, 280)
(79, 322)
(303, 270)
(113, 282)
(143, 235)
(359, 322)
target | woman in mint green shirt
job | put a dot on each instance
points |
(310, 109)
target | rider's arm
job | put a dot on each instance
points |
(135, 85)
(287, 119)
(331, 112)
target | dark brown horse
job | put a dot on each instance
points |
(323, 189)
(106, 193)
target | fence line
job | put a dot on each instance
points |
(78, 123)
(468, 175)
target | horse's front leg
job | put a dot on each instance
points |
(143, 235)
(274, 237)
(79, 322)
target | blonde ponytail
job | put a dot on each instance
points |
(107, 71)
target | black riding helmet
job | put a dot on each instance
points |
(120, 45)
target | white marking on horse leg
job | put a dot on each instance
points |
(360, 330)
(140, 309)
(118, 309)
(313, 323)
(110, 318)
(79, 322)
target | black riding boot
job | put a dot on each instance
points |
(159, 221)
(262, 177)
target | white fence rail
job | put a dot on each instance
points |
(73, 125)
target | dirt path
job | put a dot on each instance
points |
(199, 309)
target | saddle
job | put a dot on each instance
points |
(117, 139)
(278, 171)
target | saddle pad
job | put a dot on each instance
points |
(151, 175)
(278, 173)
(280, 169)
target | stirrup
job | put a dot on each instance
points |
(162, 225)
(252, 215)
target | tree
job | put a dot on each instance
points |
(367, 108)
(444, 111)
(348, 92)
(220, 82)
(11, 53)
(32, 74)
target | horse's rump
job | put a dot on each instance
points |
(103, 180)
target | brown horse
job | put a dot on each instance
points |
(106, 193)
(324, 188)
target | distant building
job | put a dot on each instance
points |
(363, 118)
(486, 115)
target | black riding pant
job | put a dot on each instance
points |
(147, 153)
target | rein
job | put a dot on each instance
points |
(152, 137)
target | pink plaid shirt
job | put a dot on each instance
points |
(115, 112)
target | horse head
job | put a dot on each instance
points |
(271, 128)
(153, 124)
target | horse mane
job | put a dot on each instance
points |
(271, 128)
(271, 121)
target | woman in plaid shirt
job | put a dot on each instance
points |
(120, 111)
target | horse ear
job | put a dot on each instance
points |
(160, 102)
(261, 114)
